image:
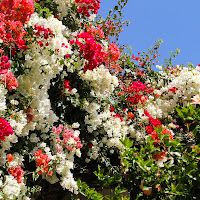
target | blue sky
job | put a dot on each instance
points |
(176, 22)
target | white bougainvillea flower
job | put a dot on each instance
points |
(196, 99)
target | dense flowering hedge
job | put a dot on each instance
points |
(73, 102)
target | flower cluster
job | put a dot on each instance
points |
(10, 81)
(67, 85)
(10, 188)
(42, 66)
(5, 129)
(66, 139)
(42, 161)
(17, 172)
(4, 64)
(16, 10)
(46, 33)
(97, 32)
(135, 92)
(12, 32)
(91, 50)
(10, 157)
(86, 6)
(66, 143)
(182, 87)
(113, 53)
(155, 123)
(101, 80)
(13, 15)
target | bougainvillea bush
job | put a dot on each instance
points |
(78, 111)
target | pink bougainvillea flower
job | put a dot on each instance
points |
(4, 65)
(10, 81)
(196, 99)
(5, 129)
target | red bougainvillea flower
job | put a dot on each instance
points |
(173, 89)
(10, 81)
(131, 115)
(113, 53)
(86, 6)
(10, 158)
(17, 172)
(111, 109)
(14, 14)
(147, 114)
(196, 99)
(166, 131)
(136, 92)
(91, 50)
(116, 67)
(135, 87)
(4, 60)
(17, 10)
(66, 84)
(96, 33)
(4, 64)
(155, 136)
(40, 30)
(117, 116)
(30, 114)
(5, 129)
(12, 32)
(136, 98)
(149, 129)
(42, 161)
(159, 155)
(155, 122)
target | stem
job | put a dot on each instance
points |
(28, 173)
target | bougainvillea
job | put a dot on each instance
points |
(10, 81)
(92, 51)
(5, 129)
(42, 161)
(67, 85)
(97, 32)
(17, 172)
(72, 101)
(4, 64)
(15, 10)
(86, 6)
(12, 32)
(13, 15)
(136, 91)
(113, 53)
